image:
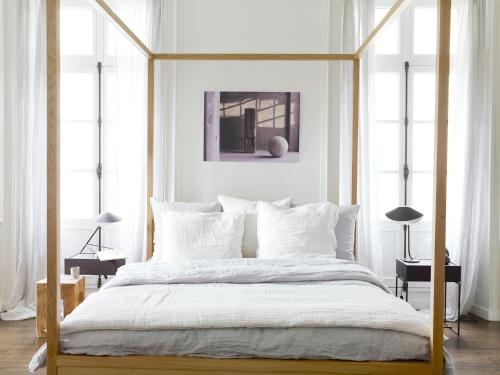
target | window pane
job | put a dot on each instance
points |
(77, 195)
(109, 94)
(422, 194)
(388, 146)
(110, 39)
(388, 42)
(77, 96)
(77, 145)
(110, 187)
(388, 191)
(387, 96)
(454, 31)
(77, 32)
(110, 140)
(423, 96)
(424, 31)
(423, 146)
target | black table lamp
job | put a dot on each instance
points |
(406, 216)
(103, 219)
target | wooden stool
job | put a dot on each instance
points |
(72, 293)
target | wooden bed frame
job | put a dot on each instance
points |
(62, 364)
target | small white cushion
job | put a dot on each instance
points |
(251, 209)
(306, 231)
(158, 207)
(194, 235)
(344, 231)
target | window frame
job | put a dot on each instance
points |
(418, 63)
(88, 64)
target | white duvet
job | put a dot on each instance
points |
(247, 293)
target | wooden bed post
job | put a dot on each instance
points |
(150, 141)
(355, 139)
(53, 292)
(355, 130)
(440, 161)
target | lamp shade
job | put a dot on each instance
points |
(404, 215)
(107, 218)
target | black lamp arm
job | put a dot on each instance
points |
(90, 239)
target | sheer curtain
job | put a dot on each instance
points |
(358, 21)
(125, 138)
(27, 100)
(163, 14)
(469, 158)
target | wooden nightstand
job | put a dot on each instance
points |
(72, 293)
(421, 272)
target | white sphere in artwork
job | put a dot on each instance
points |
(278, 146)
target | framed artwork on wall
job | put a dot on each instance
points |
(251, 126)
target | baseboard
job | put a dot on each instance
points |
(495, 315)
(492, 315)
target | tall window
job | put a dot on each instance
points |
(410, 38)
(84, 42)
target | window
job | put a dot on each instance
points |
(83, 36)
(411, 38)
(270, 112)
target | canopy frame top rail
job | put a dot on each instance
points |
(60, 364)
(393, 12)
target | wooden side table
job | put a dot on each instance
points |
(72, 293)
(91, 265)
(421, 272)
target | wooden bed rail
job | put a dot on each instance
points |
(60, 364)
(138, 365)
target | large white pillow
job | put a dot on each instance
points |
(195, 235)
(306, 231)
(251, 209)
(345, 230)
(158, 207)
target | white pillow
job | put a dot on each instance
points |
(306, 231)
(344, 231)
(251, 209)
(158, 207)
(195, 235)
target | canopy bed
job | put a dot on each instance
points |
(59, 363)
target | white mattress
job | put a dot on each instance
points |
(358, 344)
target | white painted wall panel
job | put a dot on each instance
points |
(267, 26)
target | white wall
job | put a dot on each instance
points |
(284, 26)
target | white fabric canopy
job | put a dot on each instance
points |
(125, 140)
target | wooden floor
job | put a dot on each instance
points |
(477, 352)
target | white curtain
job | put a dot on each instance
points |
(358, 21)
(125, 138)
(165, 84)
(24, 26)
(469, 157)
